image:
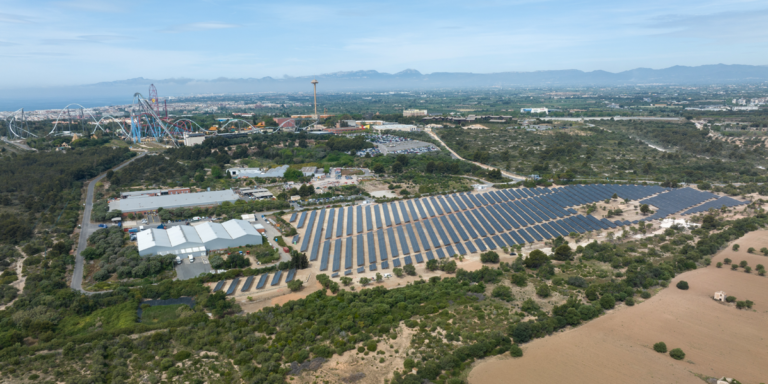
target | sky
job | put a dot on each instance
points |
(71, 42)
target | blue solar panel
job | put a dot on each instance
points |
(371, 247)
(459, 228)
(449, 199)
(291, 275)
(377, 213)
(359, 219)
(418, 257)
(368, 218)
(305, 243)
(361, 270)
(444, 203)
(538, 233)
(247, 284)
(301, 220)
(412, 236)
(372, 267)
(318, 232)
(404, 212)
(412, 209)
(395, 215)
(382, 245)
(439, 228)
(475, 200)
(467, 201)
(347, 272)
(460, 249)
(449, 229)
(407, 260)
(262, 281)
(392, 243)
(490, 219)
(395, 263)
(293, 217)
(480, 245)
(420, 207)
(360, 251)
(440, 253)
(518, 239)
(435, 205)
(219, 286)
(422, 236)
(329, 229)
(428, 206)
(499, 217)
(350, 212)
(325, 255)
(385, 264)
(522, 232)
(499, 241)
(348, 254)
(276, 278)
(431, 233)
(449, 251)
(340, 224)
(716, 204)
(508, 239)
(429, 255)
(489, 243)
(470, 247)
(402, 238)
(482, 221)
(467, 226)
(387, 218)
(458, 201)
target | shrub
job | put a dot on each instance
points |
(629, 301)
(398, 272)
(719, 264)
(607, 301)
(371, 345)
(734, 267)
(730, 299)
(735, 247)
(743, 264)
(519, 279)
(751, 250)
(741, 304)
(409, 364)
(764, 251)
(516, 351)
(295, 285)
(726, 261)
(748, 269)
(677, 354)
(489, 257)
(543, 291)
(410, 270)
(536, 259)
(502, 292)
(749, 304)
(645, 295)
(182, 355)
(577, 281)
(660, 347)
(682, 284)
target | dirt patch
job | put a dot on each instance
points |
(355, 367)
(718, 339)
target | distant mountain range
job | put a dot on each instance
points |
(121, 92)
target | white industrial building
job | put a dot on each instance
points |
(196, 240)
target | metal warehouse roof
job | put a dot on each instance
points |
(148, 203)
(257, 172)
(187, 239)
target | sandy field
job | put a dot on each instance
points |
(718, 339)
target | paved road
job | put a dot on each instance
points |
(456, 156)
(87, 228)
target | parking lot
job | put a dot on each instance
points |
(187, 270)
(406, 147)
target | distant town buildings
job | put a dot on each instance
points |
(534, 110)
(396, 127)
(415, 112)
(245, 173)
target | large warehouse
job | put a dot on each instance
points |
(196, 240)
(145, 203)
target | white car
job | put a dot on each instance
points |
(191, 259)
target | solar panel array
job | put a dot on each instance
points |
(716, 204)
(372, 237)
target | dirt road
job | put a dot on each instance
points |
(456, 155)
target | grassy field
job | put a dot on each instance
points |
(108, 319)
(160, 314)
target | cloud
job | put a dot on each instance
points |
(193, 27)
(14, 19)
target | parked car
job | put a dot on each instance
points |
(191, 259)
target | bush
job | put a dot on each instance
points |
(577, 281)
(629, 301)
(735, 247)
(516, 351)
(371, 345)
(398, 272)
(182, 355)
(743, 264)
(751, 250)
(645, 295)
(730, 299)
(409, 270)
(734, 267)
(660, 347)
(607, 301)
(719, 264)
(543, 291)
(741, 304)
(502, 292)
(295, 285)
(536, 259)
(489, 257)
(677, 354)
(682, 284)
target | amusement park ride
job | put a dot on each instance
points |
(146, 122)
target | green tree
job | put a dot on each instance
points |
(398, 272)
(515, 351)
(489, 257)
(432, 265)
(543, 291)
(502, 292)
(536, 259)
(409, 270)
(735, 247)
(645, 209)
(607, 301)
(563, 253)
(660, 347)
(295, 285)
(677, 354)
(682, 284)
(379, 169)
(397, 167)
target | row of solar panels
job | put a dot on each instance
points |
(384, 245)
(249, 281)
(676, 201)
(716, 204)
